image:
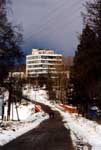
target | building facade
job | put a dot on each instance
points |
(18, 71)
(41, 62)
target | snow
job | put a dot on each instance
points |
(81, 129)
(25, 110)
(5, 95)
(15, 129)
(10, 130)
(39, 95)
(88, 132)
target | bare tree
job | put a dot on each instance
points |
(10, 51)
(61, 81)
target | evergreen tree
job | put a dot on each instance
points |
(84, 72)
(93, 19)
(93, 16)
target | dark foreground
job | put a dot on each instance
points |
(49, 135)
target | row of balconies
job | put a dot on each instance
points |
(41, 65)
(40, 69)
(44, 57)
(39, 72)
(44, 61)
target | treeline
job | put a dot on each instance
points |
(86, 71)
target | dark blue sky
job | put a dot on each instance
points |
(52, 24)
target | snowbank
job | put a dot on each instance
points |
(28, 120)
(87, 131)
(11, 130)
(37, 95)
(22, 111)
(82, 129)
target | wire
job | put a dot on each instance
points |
(43, 26)
(55, 32)
(71, 19)
(70, 22)
(54, 10)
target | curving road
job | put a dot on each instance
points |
(49, 135)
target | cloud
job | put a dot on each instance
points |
(49, 23)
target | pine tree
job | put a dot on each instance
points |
(93, 19)
(84, 72)
(93, 16)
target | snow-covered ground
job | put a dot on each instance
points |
(10, 130)
(23, 111)
(81, 129)
(39, 95)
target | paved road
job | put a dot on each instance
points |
(49, 135)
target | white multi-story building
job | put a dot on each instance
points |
(41, 62)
